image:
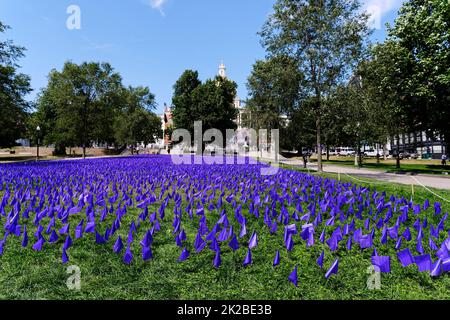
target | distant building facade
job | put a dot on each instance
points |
(238, 103)
(166, 126)
(420, 143)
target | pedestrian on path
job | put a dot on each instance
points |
(444, 160)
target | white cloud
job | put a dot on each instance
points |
(378, 8)
(158, 5)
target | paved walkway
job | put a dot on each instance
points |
(439, 182)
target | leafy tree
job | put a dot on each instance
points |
(326, 38)
(300, 132)
(135, 122)
(78, 104)
(274, 90)
(213, 104)
(422, 33)
(183, 106)
(210, 102)
(384, 80)
(13, 88)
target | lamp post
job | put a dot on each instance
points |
(38, 130)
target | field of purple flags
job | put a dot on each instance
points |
(120, 202)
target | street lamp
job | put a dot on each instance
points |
(38, 130)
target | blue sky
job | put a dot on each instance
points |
(150, 42)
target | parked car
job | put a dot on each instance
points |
(371, 153)
(332, 152)
(405, 155)
(346, 152)
(415, 155)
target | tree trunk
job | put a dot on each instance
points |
(299, 151)
(360, 160)
(398, 152)
(319, 149)
(378, 153)
(85, 108)
(328, 153)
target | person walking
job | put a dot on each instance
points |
(444, 159)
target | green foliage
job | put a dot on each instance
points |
(274, 88)
(325, 38)
(79, 104)
(138, 126)
(301, 131)
(13, 88)
(210, 102)
(183, 106)
(422, 34)
(86, 103)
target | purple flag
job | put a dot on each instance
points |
(184, 255)
(234, 244)
(147, 253)
(446, 265)
(214, 246)
(90, 227)
(432, 245)
(199, 243)
(322, 236)
(64, 229)
(293, 277)
(243, 231)
(333, 269)
(99, 238)
(436, 268)
(79, 230)
(374, 252)
(38, 245)
(383, 263)
(407, 234)
(276, 261)
(398, 245)
(365, 241)
(64, 257)
(68, 243)
(405, 257)
(349, 243)
(248, 258)
(147, 240)
(217, 261)
(419, 247)
(423, 262)
(320, 259)
(128, 256)
(25, 237)
(118, 246)
(253, 241)
(332, 243)
(442, 252)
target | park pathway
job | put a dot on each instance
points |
(430, 181)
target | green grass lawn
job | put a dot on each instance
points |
(417, 166)
(26, 274)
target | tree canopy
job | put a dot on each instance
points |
(14, 86)
(87, 103)
(210, 102)
(326, 39)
